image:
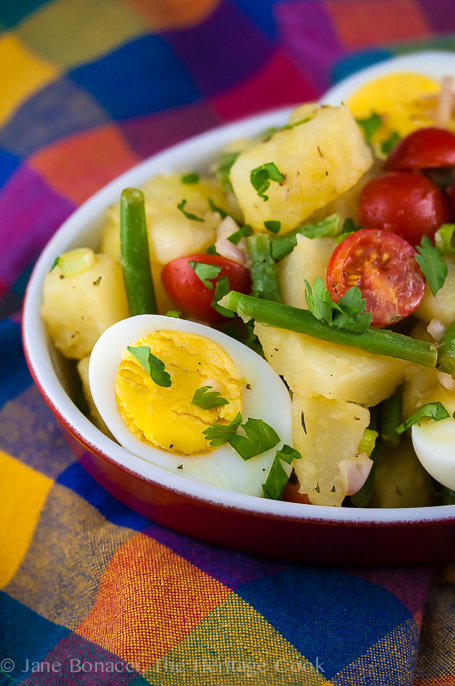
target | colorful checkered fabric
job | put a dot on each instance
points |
(93, 593)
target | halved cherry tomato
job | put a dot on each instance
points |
(384, 267)
(291, 492)
(423, 149)
(409, 205)
(187, 290)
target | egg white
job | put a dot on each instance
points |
(434, 444)
(267, 399)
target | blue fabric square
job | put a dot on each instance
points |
(145, 72)
(13, 369)
(359, 60)
(8, 163)
(222, 50)
(261, 12)
(326, 613)
(56, 111)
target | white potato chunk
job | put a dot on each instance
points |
(319, 159)
(77, 308)
(308, 260)
(442, 305)
(312, 367)
(325, 432)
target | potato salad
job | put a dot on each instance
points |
(283, 325)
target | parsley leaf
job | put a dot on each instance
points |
(273, 225)
(188, 215)
(217, 434)
(369, 126)
(211, 250)
(259, 438)
(236, 237)
(444, 238)
(204, 272)
(435, 411)
(152, 365)
(223, 214)
(190, 178)
(205, 398)
(277, 477)
(54, 264)
(347, 314)
(221, 289)
(432, 264)
(173, 313)
(261, 177)
(225, 163)
(390, 143)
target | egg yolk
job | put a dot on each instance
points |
(165, 416)
(405, 101)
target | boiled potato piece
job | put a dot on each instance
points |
(171, 233)
(77, 308)
(308, 260)
(442, 305)
(82, 368)
(400, 480)
(419, 382)
(325, 432)
(319, 159)
(312, 367)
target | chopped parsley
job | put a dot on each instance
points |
(173, 313)
(152, 365)
(225, 163)
(190, 179)
(207, 399)
(211, 250)
(259, 438)
(54, 264)
(237, 236)
(369, 126)
(277, 477)
(273, 225)
(390, 143)
(217, 434)
(188, 215)
(262, 176)
(223, 214)
(347, 314)
(221, 289)
(204, 272)
(444, 239)
(435, 411)
(432, 264)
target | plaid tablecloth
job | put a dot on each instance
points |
(91, 592)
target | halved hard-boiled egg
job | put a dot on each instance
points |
(434, 442)
(199, 378)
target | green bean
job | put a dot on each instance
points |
(378, 341)
(134, 252)
(283, 245)
(264, 270)
(390, 418)
(446, 351)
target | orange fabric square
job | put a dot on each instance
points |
(149, 599)
(162, 15)
(80, 165)
(376, 22)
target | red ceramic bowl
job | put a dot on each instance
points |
(247, 523)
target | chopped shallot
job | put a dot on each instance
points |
(446, 380)
(444, 105)
(436, 328)
(354, 472)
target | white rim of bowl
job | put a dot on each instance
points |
(178, 157)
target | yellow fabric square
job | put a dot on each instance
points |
(69, 32)
(22, 74)
(23, 492)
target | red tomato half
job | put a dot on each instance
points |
(409, 205)
(427, 148)
(384, 267)
(187, 290)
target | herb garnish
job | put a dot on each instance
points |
(204, 272)
(443, 239)
(225, 163)
(435, 411)
(259, 438)
(273, 225)
(347, 314)
(152, 365)
(277, 477)
(207, 399)
(237, 236)
(217, 434)
(369, 126)
(188, 215)
(190, 178)
(223, 214)
(432, 264)
(390, 143)
(54, 264)
(261, 177)
(221, 289)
